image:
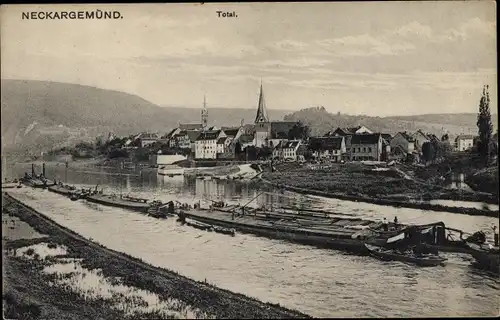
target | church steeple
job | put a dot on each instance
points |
(261, 109)
(204, 114)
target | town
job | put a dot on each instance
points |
(283, 141)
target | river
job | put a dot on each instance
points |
(322, 283)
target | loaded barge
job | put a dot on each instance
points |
(341, 233)
(123, 202)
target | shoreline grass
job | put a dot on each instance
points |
(212, 301)
(358, 183)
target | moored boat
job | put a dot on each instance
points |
(342, 233)
(123, 202)
(424, 260)
(486, 256)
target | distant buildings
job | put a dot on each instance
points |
(147, 139)
(357, 143)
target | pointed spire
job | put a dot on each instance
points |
(204, 114)
(261, 109)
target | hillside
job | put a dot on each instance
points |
(322, 121)
(39, 115)
(226, 116)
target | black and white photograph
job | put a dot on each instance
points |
(260, 160)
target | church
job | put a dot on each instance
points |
(269, 133)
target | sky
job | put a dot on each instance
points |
(372, 58)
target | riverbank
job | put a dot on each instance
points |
(356, 182)
(204, 300)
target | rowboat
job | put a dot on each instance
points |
(208, 227)
(486, 256)
(390, 255)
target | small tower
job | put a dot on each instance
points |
(204, 114)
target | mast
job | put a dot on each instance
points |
(121, 167)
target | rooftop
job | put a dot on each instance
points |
(407, 136)
(231, 132)
(208, 135)
(190, 126)
(465, 137)
(371, 138)
(221, 140)
(291, 144)
(327, 143)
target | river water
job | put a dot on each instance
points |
(322, 283)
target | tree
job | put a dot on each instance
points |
(118, 153)
(484, 125)
(299, 131)
(428, 151)
(265, 152)
(237, 150)
(445, 137)
(250, 153)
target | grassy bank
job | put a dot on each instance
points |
(351, 179)
(207, 300)
(358, 182)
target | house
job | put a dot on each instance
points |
(403, 140)
(146, 139)
(206, 144)
(186, 139)
(419, 139)
(349, 131)
(289, 149)
(397, 153)
(246, 140)
(328, 147)
(387, 137)
(464, 142)
(169, 137)
(366, 146)
(222, 144)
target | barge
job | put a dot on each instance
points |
(63, 190)
(123, 202)
(341, 233)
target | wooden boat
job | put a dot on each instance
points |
(11, 185)
(64, 190)
(123, 202)
(486, 256)
(391, 255)
(208, 227)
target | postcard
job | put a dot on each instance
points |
(250, 160)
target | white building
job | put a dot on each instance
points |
(206, 144)
(464, 142)
(331, 148)
(148, 138)
(289, 149)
